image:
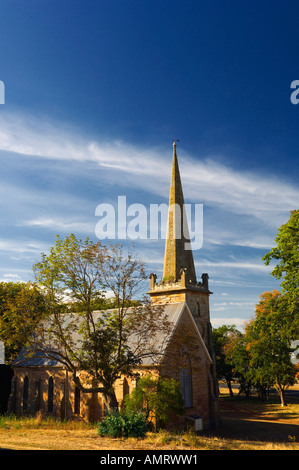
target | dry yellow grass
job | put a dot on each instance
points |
(35, 434)
(89, 440)
(246, 425)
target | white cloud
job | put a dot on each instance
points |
(11, 277)
(234, 264)
(237, 304)
(17, 246)
(205, 180)
(219, 321)
(20, 276)
(59, 225)
(202, 264)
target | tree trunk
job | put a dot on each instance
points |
(229, 385)
(262, 393)
(281, 394)
(111, 402)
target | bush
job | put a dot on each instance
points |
(157, 398)
(116, 424)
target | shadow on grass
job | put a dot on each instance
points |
(250, 420)
(242, 429)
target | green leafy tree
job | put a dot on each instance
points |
(287, 253)
(99, 348)
(22, 306)
(224, 369)
(8, 291)
(237, 356)
(268, 343)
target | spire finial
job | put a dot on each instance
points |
(174, 142)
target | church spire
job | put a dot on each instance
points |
(176, 257)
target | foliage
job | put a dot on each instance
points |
(78, 274)
(156, 398)
(224, 369)
(268, 342)
(22, 306)
(287, 253)
(278, 314)
(262, 356)
(125, 424)
(237, 356)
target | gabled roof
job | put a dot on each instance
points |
(173, 313)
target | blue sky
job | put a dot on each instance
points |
(95, 93)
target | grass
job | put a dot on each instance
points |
(246, 425)
(38, 422)
(235, 434)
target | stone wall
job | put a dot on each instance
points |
(91, 407)
(195, 359)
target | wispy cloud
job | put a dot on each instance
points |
(203, 263)
(204, 179)
(18, 246)
(11, 277)
(237, 321)
(234, 264)
(60, 225)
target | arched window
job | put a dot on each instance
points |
(77, 401)
(25, 393)
(50, 394)
(186, 387)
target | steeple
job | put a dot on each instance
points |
(176, 256)
(179, 282)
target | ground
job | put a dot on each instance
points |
(246, 425)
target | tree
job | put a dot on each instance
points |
(224, 369)
(22, 306)
(269, 338)
(8, 291)
(287, 253)
(96, 347)
(236, 355)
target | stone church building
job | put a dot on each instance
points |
(42, 384)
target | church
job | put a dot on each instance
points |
(44, 385)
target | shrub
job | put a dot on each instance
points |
(157, 398)
(116, 424)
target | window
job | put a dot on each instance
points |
(50, 395)
(25, 393)
(186, 388)
(77, 401)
